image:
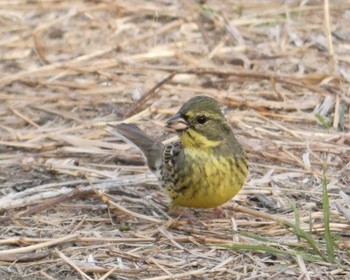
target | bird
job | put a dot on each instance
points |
(205, 167)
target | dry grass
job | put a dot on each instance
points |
(77, 203)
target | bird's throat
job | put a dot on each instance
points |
(192, 139)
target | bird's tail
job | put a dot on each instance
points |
(152, 150)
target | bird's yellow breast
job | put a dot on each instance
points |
(206, 180)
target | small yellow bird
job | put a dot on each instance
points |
(206, 168)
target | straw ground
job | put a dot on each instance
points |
(76, 203)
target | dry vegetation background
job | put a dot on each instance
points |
(76, 203)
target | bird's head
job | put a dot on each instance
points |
(200, 123)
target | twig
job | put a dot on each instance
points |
(139, 105)
(31, 248)
(72, 264)
(109, 202)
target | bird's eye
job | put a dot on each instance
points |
(201, 119)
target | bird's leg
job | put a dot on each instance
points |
(175, 212)
(184, 214)
(215, 213)
(219, 212)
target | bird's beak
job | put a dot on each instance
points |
(177, 123)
